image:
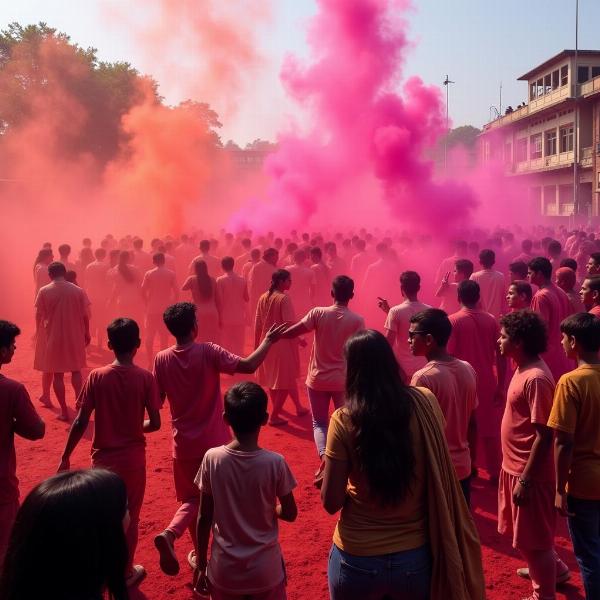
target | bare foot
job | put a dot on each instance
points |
(135, 576)
(164, 543)
(277, 422)
(45, 401)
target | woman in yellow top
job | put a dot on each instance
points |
(405, 531)
(280, 370)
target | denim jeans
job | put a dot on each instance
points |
(319, 405)
(584, 528)
(399, 576)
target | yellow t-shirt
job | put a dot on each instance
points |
(365, 528)
(576, 410)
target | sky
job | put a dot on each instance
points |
(479, 44)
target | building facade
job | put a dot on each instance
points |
(540, 141)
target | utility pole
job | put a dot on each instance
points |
(447, 83)
(500, 104)
(576, 207)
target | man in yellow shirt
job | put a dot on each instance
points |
(575, 416)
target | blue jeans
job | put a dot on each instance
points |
(399, 576)
(319, 405)
(584, 528)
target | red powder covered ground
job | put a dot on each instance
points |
(305, 543)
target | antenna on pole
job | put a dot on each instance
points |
(447, 83)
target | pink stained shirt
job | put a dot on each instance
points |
(474, 339)
(189, 376)
(160, 289)
(322, 291)
(232, 292)
(17, 415)
(245, 553)
(493, 291)
(332, 325)
(63, 310)
(553, 305)
(119, 395)
(96, 282)
(529, 401)
(398, 321)
(454, 384)
(303, 282)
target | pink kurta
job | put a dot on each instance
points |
(554, 306)
(281, 368)
(474, 339)
(62, 308)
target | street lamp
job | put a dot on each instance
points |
(447, 83)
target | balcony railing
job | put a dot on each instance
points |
(587, 157)
(590, 87)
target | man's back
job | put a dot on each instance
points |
(333, 325)
(576, 410)
(454, 384)
(492, 285)
(95, 280)
(189, 376)
(232, 293)
(303, 280)
(158, 285)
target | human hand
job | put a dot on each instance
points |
(201, 582)
(383, 304)
(319, 475)
(520, 494)
(275, 332)
(560, 503)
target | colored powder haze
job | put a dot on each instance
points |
(360, 161)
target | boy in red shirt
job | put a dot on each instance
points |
(526, 487)
(120, 394)
(245, 491)
(17, 415)
(188, 375)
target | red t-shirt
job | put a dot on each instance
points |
(119, 395)
(17, 415)
(190, 378)
(529, 401)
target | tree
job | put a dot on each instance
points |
(262, 145)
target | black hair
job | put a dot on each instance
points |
(71, 277)
(204, 245)
(245, 406)
(571, 263)
(8, 332)
(123, 335)
(74, 518)
(270, 253)
(227, 263)
(519, 268)
(526, 246)
(180, 319)
(523, 287)
(138, 243)
(594, 284)
(64, 249)
(278, 277)
(468, 292)
(410, 282)
(316, 251)
(203, 279)
(435, 322)
(487, 258)
(554, 247)
(123, 267)
(43, 254)
(527, 327)
(542, 265)
(56, 269)
(585, 328)
(343, 288)
(595, 256)
(299, 256)
(380, 407)
(158, 258)
(464, 266)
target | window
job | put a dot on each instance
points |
(507, 153)
(582, 74)
(550, 142)
(533, 91)
(522, 150)
(540, 87)
(555, 79)
(566, 138)
(547, 83)
(595, 72)
(564, 75)
(535, 146)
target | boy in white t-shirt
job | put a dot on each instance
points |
(244, 491)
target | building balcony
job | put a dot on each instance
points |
(587, 157)
(563, 210)
(589, 88)
(550, 163)
(536, 105)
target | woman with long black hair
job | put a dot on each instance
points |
(203, 289)
(405, 532)
(68, 540)
(126, 298)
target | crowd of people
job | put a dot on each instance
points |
(496, 375)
